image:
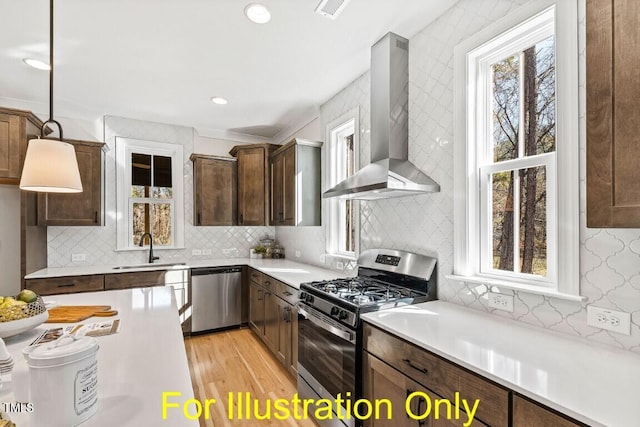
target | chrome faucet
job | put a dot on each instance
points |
(151, 257)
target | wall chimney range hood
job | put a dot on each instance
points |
(390, 174)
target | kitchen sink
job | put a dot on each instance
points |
(129, 267)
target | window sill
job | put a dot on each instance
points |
(521, 287)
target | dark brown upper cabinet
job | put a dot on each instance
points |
(16, 128)
(295, 184)
(253, 182)
(613, 122)
(214, 190)
(84, 209)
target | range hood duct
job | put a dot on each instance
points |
(390, 174)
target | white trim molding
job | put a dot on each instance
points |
(124, 148)
(527, 24)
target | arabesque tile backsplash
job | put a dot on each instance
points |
(609, 258)
(99, 243)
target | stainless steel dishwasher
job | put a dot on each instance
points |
(216, 298)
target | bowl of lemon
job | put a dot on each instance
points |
(21, 313)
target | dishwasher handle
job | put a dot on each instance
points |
(206, 271)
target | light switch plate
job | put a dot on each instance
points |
(611, 320)
(502, 302)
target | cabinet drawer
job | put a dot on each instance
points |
(66, 285)
(134, 280)
(257, 277)
(286, 292)
(439, 375)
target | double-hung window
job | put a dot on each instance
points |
(516, 177)
(342, 134)
(149, 193)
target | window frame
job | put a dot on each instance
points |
(495, 42)
(124, 202)
(333, 207)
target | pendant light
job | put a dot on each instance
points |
(50, 165)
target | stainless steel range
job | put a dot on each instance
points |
(329, 327)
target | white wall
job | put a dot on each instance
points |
(9, 240)
(610, 258)
(213, 146)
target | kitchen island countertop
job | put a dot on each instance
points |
(591, 382)
(135, 366)
(290, 272)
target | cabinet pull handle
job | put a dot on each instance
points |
(267, 283)
(287, 293)
(95, 218)
(67, 285)
(198, 218)
(417, 368)
(241, 219)
(260, 294)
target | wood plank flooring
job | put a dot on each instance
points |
(236, 361)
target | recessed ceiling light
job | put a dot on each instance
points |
(257, 13)
(36, 63)
(219, 100)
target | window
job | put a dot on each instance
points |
(149, 193)
(516, 172)
(342, 152)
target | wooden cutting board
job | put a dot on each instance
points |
(78, 313)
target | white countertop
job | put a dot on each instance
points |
(135, 366)
(287, 271)
(593, 383)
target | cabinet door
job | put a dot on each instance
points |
(283, 348)
(613, 124)
(529, 414)
(256, 308)
(277, 190)
(293, 366)
(289, 186)
(214, 192)
(252, 189)
(9, 146)
(77, 208)
(271, 318)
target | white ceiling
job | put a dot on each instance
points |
(162, 60)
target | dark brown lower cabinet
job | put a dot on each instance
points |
(410, 404)
(529, 414)
(274, 318)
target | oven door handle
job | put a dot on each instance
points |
(346, 335)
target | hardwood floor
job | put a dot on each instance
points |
(236, 361)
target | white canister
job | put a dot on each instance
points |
(63, 381)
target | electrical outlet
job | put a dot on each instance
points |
(297, 254)
(206, 252)
(501, 301)
(78, 257)
(611, 320)
(196, 252)
(340, 265)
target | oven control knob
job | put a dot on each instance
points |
(309, 299)
(335, 311)
(343, 315)
(303, 296)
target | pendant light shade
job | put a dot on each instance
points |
(50, 165)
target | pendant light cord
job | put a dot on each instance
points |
(51, 120)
